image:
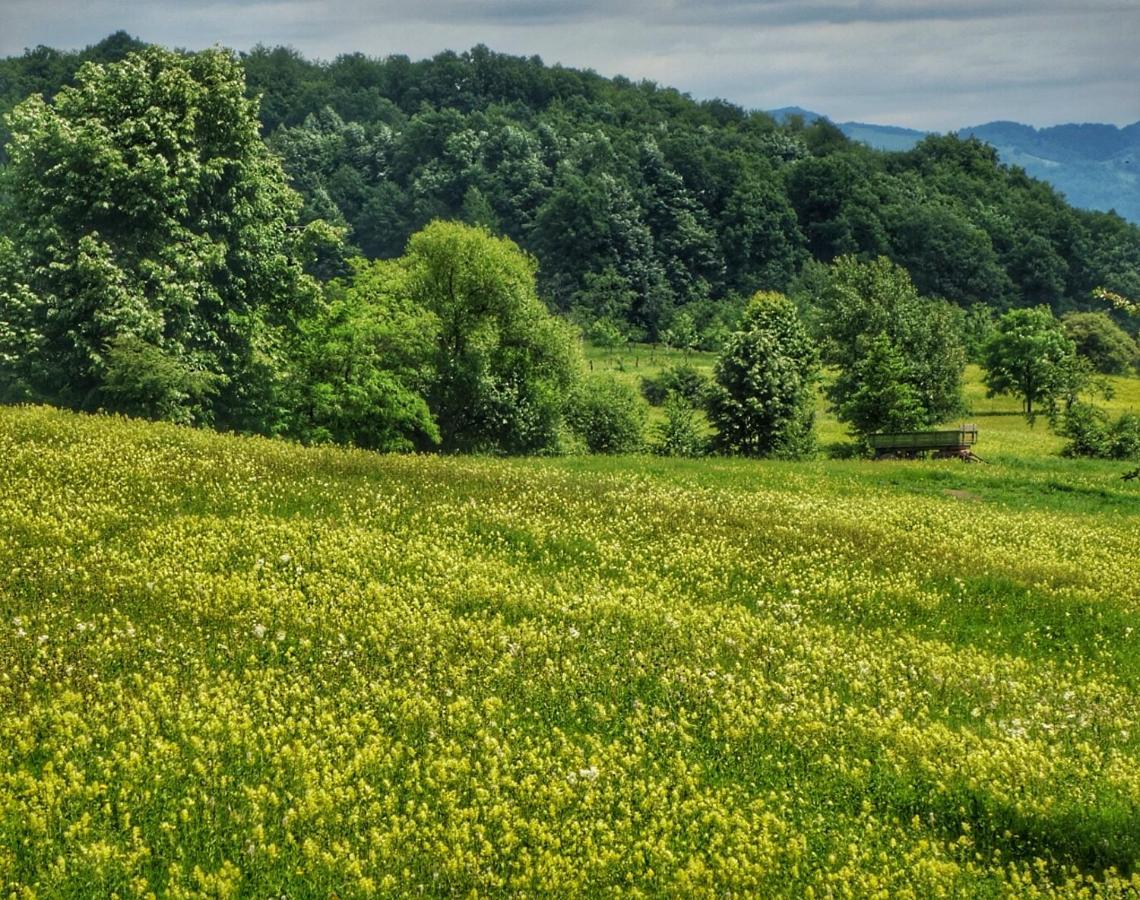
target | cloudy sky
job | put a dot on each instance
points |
(935, 64)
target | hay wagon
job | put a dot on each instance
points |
(914, 444)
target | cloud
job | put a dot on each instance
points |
(935, 64)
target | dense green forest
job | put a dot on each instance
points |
(638, 202)
(369, 251)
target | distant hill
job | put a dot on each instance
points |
(1095, 166)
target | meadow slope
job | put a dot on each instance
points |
(237, 667)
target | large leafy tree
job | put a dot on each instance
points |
(763, 401)
(863, 308)
(145, 214)
(503, 364)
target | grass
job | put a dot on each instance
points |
(236, 667)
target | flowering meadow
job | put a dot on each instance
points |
(238, 667)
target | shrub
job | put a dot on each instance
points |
(1087, 428)
(682, 379)
(1092, 434)
(607, 415)
(1124, 439)
(143, 380)
(1101, 341)
(680, 433)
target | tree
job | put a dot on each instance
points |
(882, 399)
(1029, 356)
(1106, 345)
(682, 333)
(763, 400)
(148, 221)
(362, 363)
(503, 366)
(857, 304)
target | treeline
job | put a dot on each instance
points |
(156, 259)
(644, 207)
(651, 215)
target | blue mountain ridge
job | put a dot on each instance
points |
(1095, 166)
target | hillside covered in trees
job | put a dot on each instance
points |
(645, 209)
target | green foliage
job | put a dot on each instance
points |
(978, 326)
(684, 380)
(680, 433)
(863, 308)
(682, 202)
(142, 205)
(1030, 357)
(363, 363)
(502, 365)
(883, 399)
(763, 402)
(1087, 428)
(607, 415)
(1125, 437)
(1102, 342)
(682, 333)
(142, 380)
(605, 332)
(1092, 433)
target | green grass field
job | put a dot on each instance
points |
(237, 667)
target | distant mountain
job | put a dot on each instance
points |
(1095, 166)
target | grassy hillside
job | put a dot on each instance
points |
(236, 666)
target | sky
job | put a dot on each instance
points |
(930, 64)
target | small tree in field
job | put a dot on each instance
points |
(503, 366)
(865, 306)
(1107, 346)
(883, 399)
(608, 415)
(763, 400)
(1029, 357)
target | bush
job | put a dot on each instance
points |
(1101, 341)
(682, 379)
(1124, 439)
(1091, 434)
(882, 399)
(607, 415)
(143, 380)
(1086, 426)
(680, 433)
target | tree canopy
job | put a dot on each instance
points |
(146, 220)
(763, 403)
(877, 330)
(503, 365)
(681, 202)
(1030, 357)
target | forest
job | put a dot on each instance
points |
(254, 256)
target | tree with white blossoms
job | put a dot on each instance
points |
(763, 402)
(148, 231)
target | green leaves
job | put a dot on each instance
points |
(363, 363)
(502, 363)
(1029, 356)
(763, 402)
(900, 356)
(144, 205)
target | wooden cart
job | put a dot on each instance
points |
(914, 444)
